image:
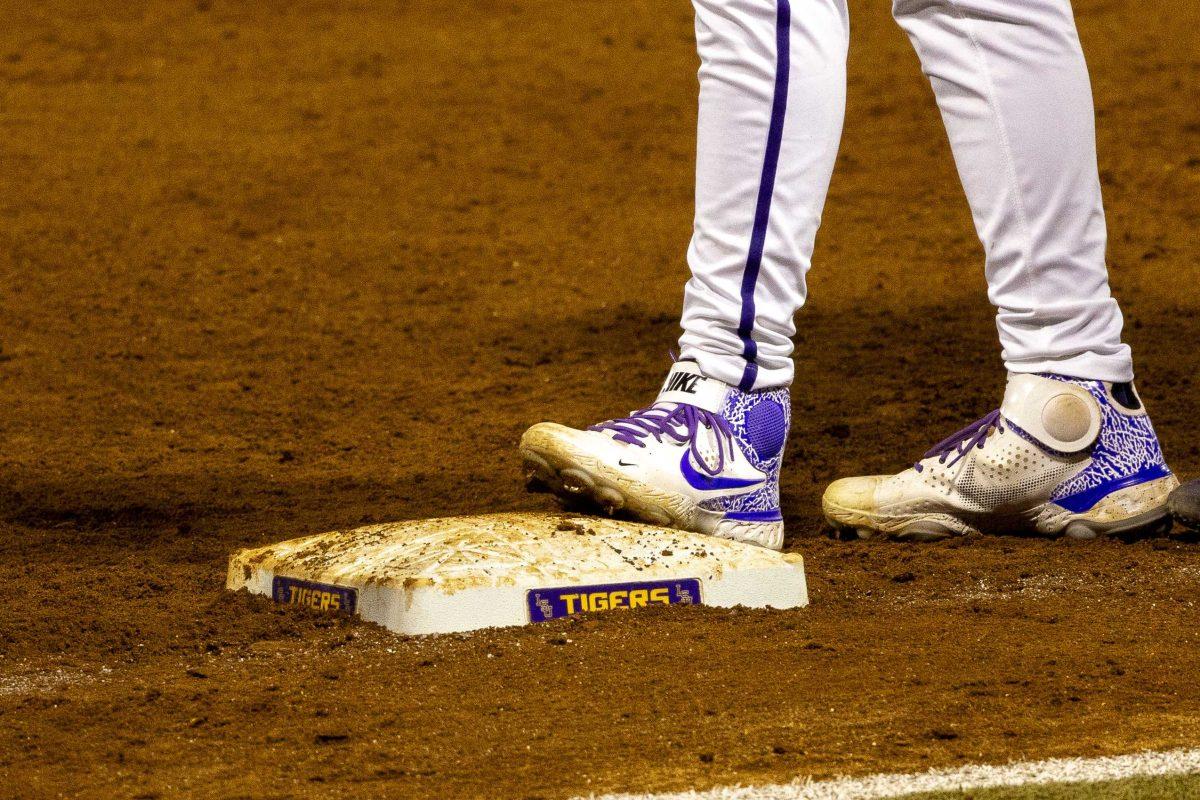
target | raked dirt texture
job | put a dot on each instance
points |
(271, 269)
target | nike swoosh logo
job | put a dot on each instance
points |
(623, 464)
(707, 483)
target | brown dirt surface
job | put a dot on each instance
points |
(274, 268)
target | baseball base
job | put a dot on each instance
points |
(463, 573)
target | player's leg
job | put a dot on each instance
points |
(705, 456)
(1013, 90)
(1071, 448)
(767, 139)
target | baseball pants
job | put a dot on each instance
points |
(1015, 98)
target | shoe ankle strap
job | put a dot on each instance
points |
(1061, 415)
(686, 384)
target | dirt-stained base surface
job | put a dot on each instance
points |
(268, 269)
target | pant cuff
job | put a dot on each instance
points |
(732, 369)
(1112, 367)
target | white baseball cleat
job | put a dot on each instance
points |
(1061, 455)
(704, 457)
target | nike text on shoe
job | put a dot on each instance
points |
(1061, 455)
(704, 457)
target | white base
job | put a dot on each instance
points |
(464, 573)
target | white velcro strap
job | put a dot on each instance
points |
(1062, 416)
(685, 384)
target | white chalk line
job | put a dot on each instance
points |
(977, 776)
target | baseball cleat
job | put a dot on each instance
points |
(1185, 505)
(704, 457)
(1060, 456)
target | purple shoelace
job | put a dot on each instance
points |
(681, 424)
(958, 445)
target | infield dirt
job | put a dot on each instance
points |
(276, 268)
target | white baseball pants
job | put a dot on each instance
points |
(1014, 95)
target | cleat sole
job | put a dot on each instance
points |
(1112, 519)
(924, 531)
(1150, 525)
(1185, 505)
(573, 483)
(577, 479)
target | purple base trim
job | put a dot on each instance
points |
(553, 602)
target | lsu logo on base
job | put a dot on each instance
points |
(564, 601)
(310, 594)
